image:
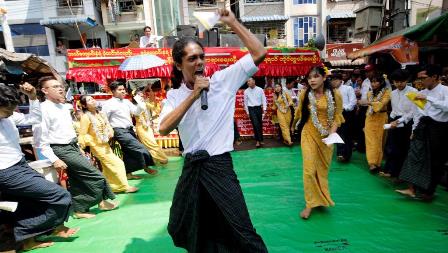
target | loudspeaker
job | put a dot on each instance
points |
(168, 41)
(186, 30)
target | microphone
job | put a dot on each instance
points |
(204, 102)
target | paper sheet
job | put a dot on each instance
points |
(332, 139)
(8, 206)
(420, 103)
(388, 126)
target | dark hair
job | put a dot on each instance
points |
(306, 100)
(336, 76)
(433, 70)
(8, 96)
(83, 102)
(178, 53)
(378, 78)
(146, 27)
(114, 85)
(400, 75)
(290, 80)
(44, 79)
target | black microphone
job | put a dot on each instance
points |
(204, 102)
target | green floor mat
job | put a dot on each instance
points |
(368, 217)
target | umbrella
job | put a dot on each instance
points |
(141, 62)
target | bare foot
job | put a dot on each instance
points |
(132, 189)
(305, 214)
(84, 215)
(107, 205)
(65, 232)
(384, 174)
(407, 192)
(133, 177)
(30, 244)
(151, 172)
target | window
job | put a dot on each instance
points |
(261, 1)
(129, 5)
(304, 29)
(340, 31)
(304, 2)
(66, 3)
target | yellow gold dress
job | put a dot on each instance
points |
(113, 167)
(316, 154)
(374, 128)
(284, 115)
(145, 134)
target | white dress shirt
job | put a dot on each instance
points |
(348, 97)
(56, 127)
(211, 129)
(436, 106)
(10, 152)
(144, 40)
(365, 88)
(401, 106)
(254, 97)
(119, 111)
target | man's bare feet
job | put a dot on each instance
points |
(65, 232)
(384, 174)
(407, 192)
(132, 177)
(107, 205)
(30, 244)
(132, 189)
(306, 212)
(84, 215)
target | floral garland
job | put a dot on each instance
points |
(100, 128)
(324, 131)
(279, 106)
(372, 99)
(146, 119)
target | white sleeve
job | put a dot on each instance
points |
(47, 151)
(106, 110)
(441, 104)
(237, 74)
(135, 109)
(168, 106)
(265, 104)
(246, 100)
(142, 43)
(34, 117)
(351, 98)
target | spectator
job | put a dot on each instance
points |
(148, 40)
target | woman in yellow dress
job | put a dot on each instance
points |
(95, 132)
(145, 132)
(282, 103)
(320, 113)
(376, 117)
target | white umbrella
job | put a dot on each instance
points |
(142, 62)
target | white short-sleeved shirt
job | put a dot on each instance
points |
(211, 129)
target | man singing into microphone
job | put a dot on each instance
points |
(209, 213)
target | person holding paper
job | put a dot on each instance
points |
(282, 105)
(376, 117)
(424, 165)
(87, 185)
(398, 136)
(344, 150)
(320, 114)
(148, 40)
(118, 110)
(43, 205)
(208, 213)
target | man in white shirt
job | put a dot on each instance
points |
(59, 144)
(148, 40)
(119, 110)
(43, 205)
(255, 107)
(398, 136)
(344, 151)
(208, 213)
(427, 155)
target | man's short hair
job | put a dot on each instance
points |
(400, 75)
(433, 70)
(44, 79)
(8, 96)
(336, 76)
(115, 84)
(147, 27)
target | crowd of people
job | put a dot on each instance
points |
(381, 115)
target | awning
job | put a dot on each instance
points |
(67, 21)
(339, 63)
(341, 14)
(100, 75)
(247, 19)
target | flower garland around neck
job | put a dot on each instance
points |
(101, 129)
(146, 118)
(372, 99)
(283, 109)
(324, 131)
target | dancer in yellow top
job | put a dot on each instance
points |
(282, 103)
(145, 132)
(376, 117)
(95, 132)
(320, 113)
